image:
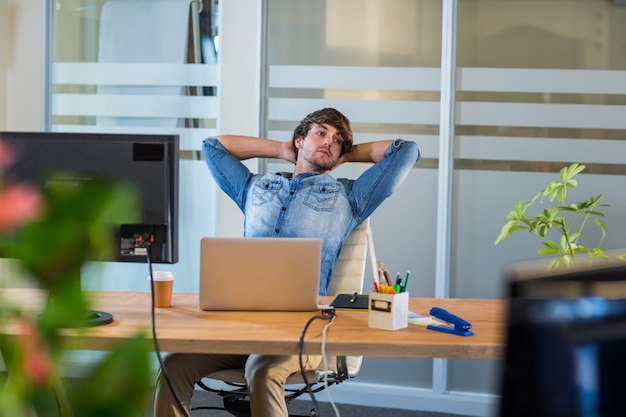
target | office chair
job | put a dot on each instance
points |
(347, 279)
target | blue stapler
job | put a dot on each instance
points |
(461, 327)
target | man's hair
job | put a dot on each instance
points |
(331, 117)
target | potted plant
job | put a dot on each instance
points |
(558, 224)
(52, 234)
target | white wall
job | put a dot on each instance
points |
(239, 60)
(4, 47)
(21, 64)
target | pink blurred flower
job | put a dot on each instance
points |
(19, 204)
(7, 155)
(35, 361)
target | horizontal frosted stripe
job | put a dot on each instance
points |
(542, 149)
(542, 80)
(365, 111)
(134, 106)
(373, 78)
(135, 74)
(469, 79)
(542, 115)
(190, 138)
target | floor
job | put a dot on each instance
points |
(302, 408)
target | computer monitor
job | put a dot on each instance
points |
(149, 163)
(565, 341)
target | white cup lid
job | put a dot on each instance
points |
(162, 276)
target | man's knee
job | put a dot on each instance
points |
(269, 369)
(256, 371)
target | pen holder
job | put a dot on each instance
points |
(388, 311)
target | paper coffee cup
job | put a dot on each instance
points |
(163, 285)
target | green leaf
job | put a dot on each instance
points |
(599, 253)
(575, 169)
(562, 194)
(508, 229)
(548, 248)
(574, 236)
(571, 184)
(120, 385)
(76, 227)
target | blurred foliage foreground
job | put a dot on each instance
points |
(52, 235)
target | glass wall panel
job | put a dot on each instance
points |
(142, 66)
(135, 66)
(540, 84)
(378, 62)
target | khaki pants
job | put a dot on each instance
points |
(265, 376)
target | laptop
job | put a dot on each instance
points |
(259, 274)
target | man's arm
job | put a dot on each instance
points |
(380, 180)
(366, 152)
(246, 147)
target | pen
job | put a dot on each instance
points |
(354, 297)
(406, 280)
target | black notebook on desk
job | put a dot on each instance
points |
(350, 302)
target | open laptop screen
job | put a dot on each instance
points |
(566, 342)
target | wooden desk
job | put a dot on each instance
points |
(184, 328)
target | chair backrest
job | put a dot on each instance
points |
(348, 278)
(349, 270)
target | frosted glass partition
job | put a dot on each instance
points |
(135, 66)
(525, 124)
(83, 109)
(539, 85)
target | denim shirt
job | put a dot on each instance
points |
(310, 204)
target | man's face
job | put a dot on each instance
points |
(319, 150)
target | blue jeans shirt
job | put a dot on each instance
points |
(309, 205)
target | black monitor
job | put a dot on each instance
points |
(149, 163)
(565, 341)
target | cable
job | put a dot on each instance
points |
(329, 316)
(155, 340)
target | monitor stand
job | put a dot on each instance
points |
(96, 318)
(91, 318)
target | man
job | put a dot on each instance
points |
(306, 203)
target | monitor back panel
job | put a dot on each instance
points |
(566, 338)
